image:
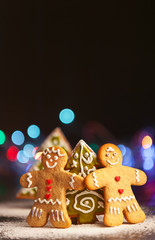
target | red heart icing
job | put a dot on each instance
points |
(48, 188)
(120, 191)
(47, 196)
(117, 178)
(49, 181)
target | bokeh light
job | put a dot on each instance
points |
(148, 164)
(33, 131)
(2, 137)
(122, 148)
(146, 142)
(12, 153)
(34, 151)
(94, 147)
(128, 159)
(18, 137)
(66, 116)
(28, 150)
(21, 157)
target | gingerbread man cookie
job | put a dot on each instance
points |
(116, 181)
(52, 182)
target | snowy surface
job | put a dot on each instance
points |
(13, 226)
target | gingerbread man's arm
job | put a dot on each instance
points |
(29, 180)
(73, 181)
(96, 179)
(136, 176)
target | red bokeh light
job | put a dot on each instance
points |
(12, 153)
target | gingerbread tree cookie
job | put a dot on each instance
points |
(116, 181)
(52, 182)
(55, 138)
(84, 205)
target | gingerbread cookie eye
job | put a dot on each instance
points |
(48, 156)
(86, 155)
(76, 155)
(115, 154)
(55, 158)
(107, 154)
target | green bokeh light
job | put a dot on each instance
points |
(2, 137)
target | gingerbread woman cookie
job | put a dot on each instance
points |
(52, 182)
(116, 181)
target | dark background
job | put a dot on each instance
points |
(95, 57)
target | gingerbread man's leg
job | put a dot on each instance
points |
(38, 216)
(59, 217)
(133, 213)
(113, 215)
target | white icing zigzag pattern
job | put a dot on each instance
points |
(120, 199)
(54, 151)
(137, 175)
(95, 180)
(49, 201)
(72, 181)
(28, 179)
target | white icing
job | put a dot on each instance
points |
(67, 201)
(52, 211)
(86, 168)
(55, 158)
(137, 175)
(58, 152)
(36, 211)
(72, 180)
(57, 214)
(74, 164)
(128, 207)
(61, 215)
(82, 158)
(82, 202)
(111, 210)
(28, 179)
(120, 199)
(48, 156)
(133, 208)
(113, 163)
(100, 204)
(86, 202)
(114, 210)
(76, 155)
(136, 206)
(47, 164)
(95, 179)
(110, 149)
(91, 170)
(118, 211)
(86, 154)
(54, 151)
(39, 215)
(33, 210)
(48, 201)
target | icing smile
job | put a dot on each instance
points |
(47, 164)
(114, 162)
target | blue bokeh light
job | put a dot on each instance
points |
(128, 159)
(21, 157)
(28, 150)
(148, 152)
(148, 164)
(66, 116)
(18, 138)
(33, 131)
(122, 148)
